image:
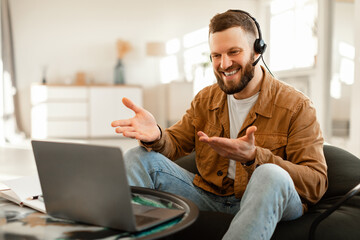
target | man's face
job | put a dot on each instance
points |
(232, 58)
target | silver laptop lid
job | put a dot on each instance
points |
(85, 183)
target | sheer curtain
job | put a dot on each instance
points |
(10, 129)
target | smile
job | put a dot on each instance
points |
(230, 73)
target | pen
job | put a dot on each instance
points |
(33, 197)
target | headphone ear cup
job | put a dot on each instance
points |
(259, 46)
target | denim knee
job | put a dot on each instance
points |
(133, 156)
(140, 156)
(135, 153)
(273, 175)
(139, 163)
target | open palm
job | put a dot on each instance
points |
(142, 126)
(240, 149)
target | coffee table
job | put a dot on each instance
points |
(25, 223)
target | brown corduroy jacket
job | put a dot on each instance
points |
(288, 134)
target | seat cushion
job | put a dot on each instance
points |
(188, 162)
(343, 171)
(341, 224)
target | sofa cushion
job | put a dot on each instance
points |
(188, 162)
(343, 171)
(341, 224)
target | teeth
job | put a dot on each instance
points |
(230, 73)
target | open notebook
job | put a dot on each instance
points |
(25, 191)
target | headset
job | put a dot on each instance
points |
(259, 44)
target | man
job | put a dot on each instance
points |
(259, 147)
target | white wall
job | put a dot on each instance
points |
(79, 35)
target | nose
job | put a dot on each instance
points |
(226, 62)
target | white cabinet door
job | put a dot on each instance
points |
(67, 110)
(44, 93)
(59, 111)
(79, 112)
(106, 106)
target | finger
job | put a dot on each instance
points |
(121, 123)
(250, 133)
(201, 134)
(221, 144)
(129, 104)
(130, 134)
(124, 129)
(203, 137)
(219, 140)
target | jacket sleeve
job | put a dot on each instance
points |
(305, 161)
(177, 140)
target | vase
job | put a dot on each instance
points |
(119, 74)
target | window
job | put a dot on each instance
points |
(344, 69)
(169, 70)
(293, 34)
(347, 56)
(189, 58)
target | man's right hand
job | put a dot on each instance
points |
(142, 127)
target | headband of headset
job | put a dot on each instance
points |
(259, 44)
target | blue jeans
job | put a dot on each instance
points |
(270, 195)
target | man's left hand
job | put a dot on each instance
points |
(240, 149)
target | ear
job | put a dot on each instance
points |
(257, 56)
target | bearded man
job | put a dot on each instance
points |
(258, 144)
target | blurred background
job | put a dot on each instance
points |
(67, 63)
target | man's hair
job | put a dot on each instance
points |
(233, 18)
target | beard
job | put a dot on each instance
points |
(239, 85)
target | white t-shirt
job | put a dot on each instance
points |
(238, 110)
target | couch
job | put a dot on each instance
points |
(335, 216)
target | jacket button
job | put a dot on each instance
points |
(219, 173)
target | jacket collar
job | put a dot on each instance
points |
(218, 100)
(265, 103)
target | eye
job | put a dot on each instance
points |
(234, 52)
(214, 56)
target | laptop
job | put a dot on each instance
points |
(88, 183)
